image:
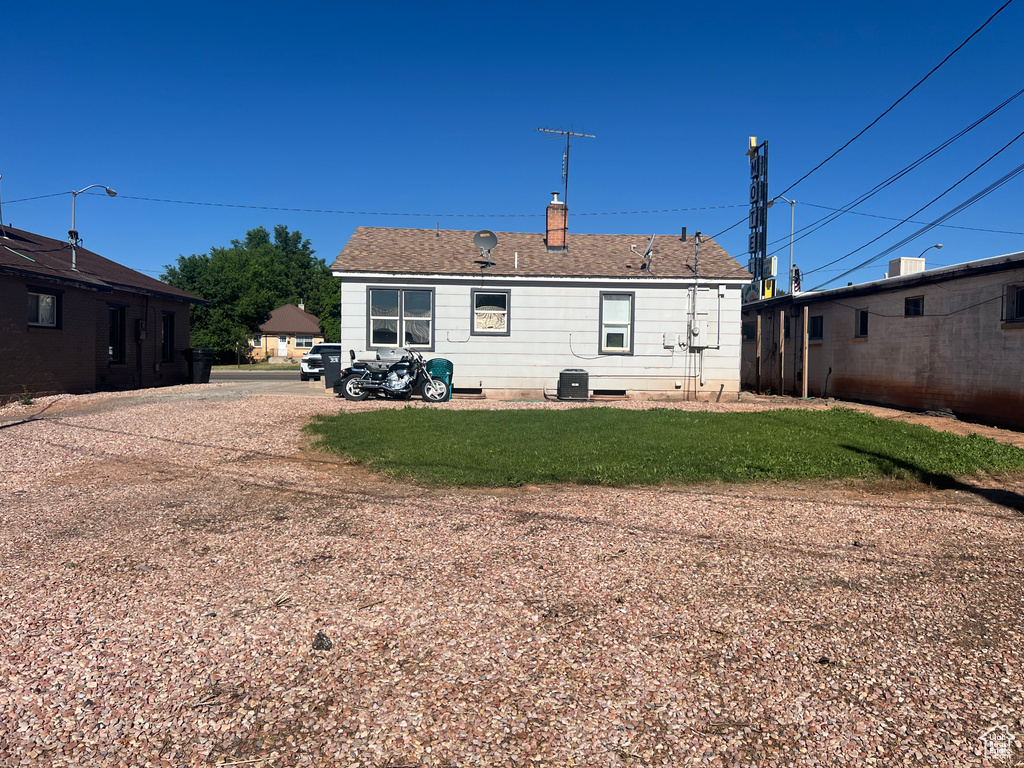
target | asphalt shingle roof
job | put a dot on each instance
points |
(291, 320)
(451, 252)
(27, 254)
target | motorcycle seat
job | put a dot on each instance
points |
(374, 366)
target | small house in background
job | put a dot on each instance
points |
(939, 339)
(72, 321)
(626, 314)
(288, 334)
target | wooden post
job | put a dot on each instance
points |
(782, 350)
(757, 356)
(806, 337)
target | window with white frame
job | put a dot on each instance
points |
(257, 341)
(616, 323)
(303, 342)
(490, 312)
(1013, 304)
(401, 317)
(44, 309)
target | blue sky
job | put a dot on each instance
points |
(430, 111)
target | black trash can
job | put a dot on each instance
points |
(573, 384)
(332, 367)
(200, 362)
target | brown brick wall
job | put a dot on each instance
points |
(74, 358)
(45, 360)
(143, 365)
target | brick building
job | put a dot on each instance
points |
(82, 323)
(949, 338)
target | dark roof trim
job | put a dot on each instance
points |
(40, 277)
(901, 283)
(505, 280)
(158, 294)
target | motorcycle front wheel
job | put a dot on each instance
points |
(435, 391)
(351, 390)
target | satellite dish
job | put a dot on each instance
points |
(485, 239)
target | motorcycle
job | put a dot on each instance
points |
(396, 380)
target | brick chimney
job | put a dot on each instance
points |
(558, 225)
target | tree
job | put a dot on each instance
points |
(244, 282)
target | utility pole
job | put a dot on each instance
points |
(565, 156)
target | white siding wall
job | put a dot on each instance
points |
(556, 326)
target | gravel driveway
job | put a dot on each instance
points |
(169, 559)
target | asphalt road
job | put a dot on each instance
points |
(271, 382)
(243, 376)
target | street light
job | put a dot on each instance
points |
(937, 245)
(73, 233)
(792, 222)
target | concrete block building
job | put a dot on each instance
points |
(949, 338)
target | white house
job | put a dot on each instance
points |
(664, 324)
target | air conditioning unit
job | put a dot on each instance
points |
(574, 384)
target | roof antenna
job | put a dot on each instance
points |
(647, 255)
(2, 218)
(565, 155)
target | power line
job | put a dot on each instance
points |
(926, 205)
(901, 98)
(337, 212)
(928, 227)
(910, 221)
(37, 197)
(814, 226)
(396, 213)
(660, 210)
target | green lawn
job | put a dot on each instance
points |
(609, 446)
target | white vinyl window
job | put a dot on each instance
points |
(42, 309)
(616, 323)
(401, 318)
(490, 312)
(303, 342)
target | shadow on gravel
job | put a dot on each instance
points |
(1000, 496)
